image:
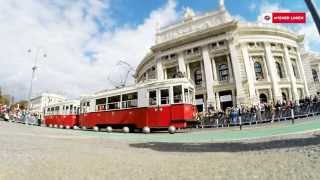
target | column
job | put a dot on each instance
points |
(188, 71)
(181, 63)
(303, 77)
(230, 68)
(273, 73)
(236, 71)
(214, 68)
(217, 101)
(294, 92)
(160, 74)
(249, 70)
(202, 73)
(208, 75)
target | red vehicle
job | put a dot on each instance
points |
(161, 104)
(62, 115)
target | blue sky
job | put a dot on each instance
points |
(85, 39)
(133, 12)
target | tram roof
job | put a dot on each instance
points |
(66, 102)
(135, 87)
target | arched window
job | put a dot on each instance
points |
(279, 70)
(223, 72)
(197, 77)
(315, 75)
(258, 70)
(263, 98)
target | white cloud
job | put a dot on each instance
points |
(79, 56)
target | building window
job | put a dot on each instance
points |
(315, 75)
(223, 72)
(258, 71)
(172, 73)
(197, 77)
(221, 43)
(279, 70)
(295, 69)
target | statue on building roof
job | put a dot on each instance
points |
(189, 13)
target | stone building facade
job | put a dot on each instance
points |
(311, 62)
(230, 62)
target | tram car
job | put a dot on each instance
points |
(63, 114)
(155, 105)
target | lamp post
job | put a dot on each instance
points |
(34, 69)
(315, 15)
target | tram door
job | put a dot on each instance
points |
(159, 111)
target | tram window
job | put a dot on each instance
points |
(101, 104)
(152, 98)
(186, 95)
(57, 110)
(164, 94)
(71, 109)
(113, 102)
(130, 100)
(191, 95)
(88, 103)
(177, 94)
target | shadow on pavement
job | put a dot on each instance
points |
(229, 146)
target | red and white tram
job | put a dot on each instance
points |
(63, 114)
(161, 104)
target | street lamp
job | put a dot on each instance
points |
(34, 69)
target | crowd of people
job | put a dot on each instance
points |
(261, 112)
(19, 115)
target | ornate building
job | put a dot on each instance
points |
(230, 62)
(311, 62)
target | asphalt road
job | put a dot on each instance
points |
(37, 153)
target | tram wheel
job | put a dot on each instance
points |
(61, 126)
(172, 129)
(75, 127)
(96, 128)
(55, 126)
(67, 127)
(109, 129)
(84, 128)
(146, 130)
(126, 129)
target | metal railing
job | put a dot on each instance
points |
(250, 116)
